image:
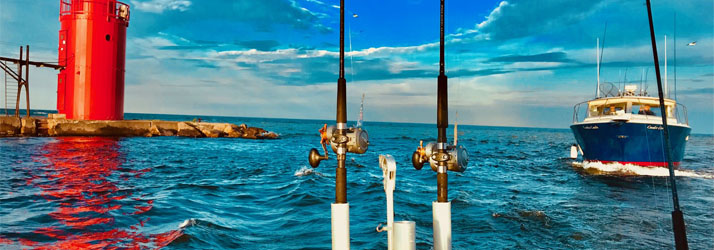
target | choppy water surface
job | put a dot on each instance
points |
(180, 193)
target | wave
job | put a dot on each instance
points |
(599, 168)
(305, 171)
(198, 223)
(187, 223)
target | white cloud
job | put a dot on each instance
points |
(495, 13)
(159, 6)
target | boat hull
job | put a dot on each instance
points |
(639, 144)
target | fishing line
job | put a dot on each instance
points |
(654, 190)
(352, 69)
(669, 195)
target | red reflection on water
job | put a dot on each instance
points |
(77, 180)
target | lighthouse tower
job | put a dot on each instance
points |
(92, 43)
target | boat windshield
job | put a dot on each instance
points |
(634, 107)
(601, 110)
(629, 106)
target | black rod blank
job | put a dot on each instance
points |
(341, 82)
(442, 119)
(680, 233)
(341, 171)
(442, 100)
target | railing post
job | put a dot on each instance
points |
(27, 80)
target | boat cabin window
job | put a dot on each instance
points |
(603, 110)
(630, 107)
(613, 110)
(645, 109)
(653, 110)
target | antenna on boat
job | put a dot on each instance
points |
(624, 80)
(597, 61)
(646, 86)
(602, 46)
(666, 89)
(352, 68)
(675, 56)
(680, 233)
(361, 113)
(641, 78)
(342, 140)
(598, 57)
(456, 129)
(441, 156)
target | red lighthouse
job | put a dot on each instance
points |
(92, 42)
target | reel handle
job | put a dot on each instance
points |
(315, 158)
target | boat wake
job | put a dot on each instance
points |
(599, 168)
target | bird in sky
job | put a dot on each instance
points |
(692, 43)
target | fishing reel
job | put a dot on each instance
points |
(354, 140)
(455, 157)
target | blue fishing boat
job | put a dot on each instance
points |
(626, 127)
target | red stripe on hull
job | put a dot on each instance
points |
(643, 163)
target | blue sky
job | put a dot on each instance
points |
(511, 63)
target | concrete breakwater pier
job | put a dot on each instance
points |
(58, 126)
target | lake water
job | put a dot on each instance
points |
(518, 191)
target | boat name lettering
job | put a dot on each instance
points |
(655, 127)
(591, 127)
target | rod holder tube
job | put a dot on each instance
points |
(441, 213)
(340, 226)
(404, 235)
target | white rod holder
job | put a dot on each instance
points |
(404, 235)
(442, 225)
(389, 172)
(340, 226)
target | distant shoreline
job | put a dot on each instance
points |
(46, 111)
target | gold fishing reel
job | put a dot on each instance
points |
(354, 140)
(455, 157)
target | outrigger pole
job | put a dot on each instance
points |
(342, 140)
(441, 156)
(680, 232)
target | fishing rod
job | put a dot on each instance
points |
(342, 140)
(441, 156)
(680, 232)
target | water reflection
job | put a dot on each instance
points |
(82, 181)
